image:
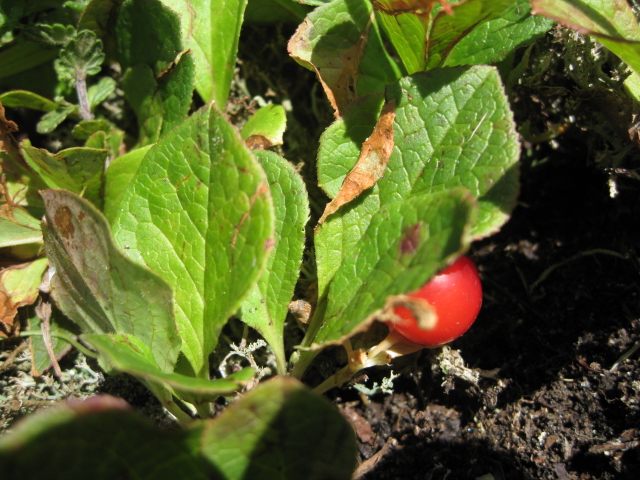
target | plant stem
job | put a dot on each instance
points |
(336, 380)
(304, 360)
(83, 96)
(66, 338)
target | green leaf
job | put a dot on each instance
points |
(437, 228)
(424, 41)
(100, 289)
(52, 119)
(107, 438)
(275, 11)
(98, 17)
(87, 128)
(22, 98)
(211, 30)
(453, 127)
(18, 227)
(612, 22)
(99, 92)
(408, 35)
(266, 307)
(118, 176)
(280, 430)
(342, 44)
(59, 325)
(340, 143)
(269, 122)
(158, 75)
(75, 169)
(199, 213)
(55, 34)
(493, 40)
(447, 30)
(24, 56)
(81, 57)
(128, 354)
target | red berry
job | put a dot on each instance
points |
(455, 294)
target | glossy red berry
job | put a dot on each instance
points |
(456, 295)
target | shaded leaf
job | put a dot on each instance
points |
(78, 169)
(97, 287)
(59, 326)
(52, 119)
(87, 128)
(22, 56)
(211, 29)
(280, 430)
(20, 185)
(127, 354)
(81, 57)
(158, 75)
(342, 44)
(22, 98)
(106, 438)
(55, 34)
(199, 213)
(100, 91)
(274, 11)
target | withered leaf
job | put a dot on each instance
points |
(336, 65)
(8, 144)
(18, 287)
(371, 164)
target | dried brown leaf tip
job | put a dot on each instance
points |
(371, 164)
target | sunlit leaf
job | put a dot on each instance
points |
(199, 213)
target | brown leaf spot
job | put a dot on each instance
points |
(63, 222)
(371, 164)
(257, 142)
(269, 243)
(411, 239)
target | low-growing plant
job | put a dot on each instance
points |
(161, 220)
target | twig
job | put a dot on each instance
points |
(625, 355)
(12, 356)
(369, 464)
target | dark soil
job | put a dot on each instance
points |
(560, 309)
